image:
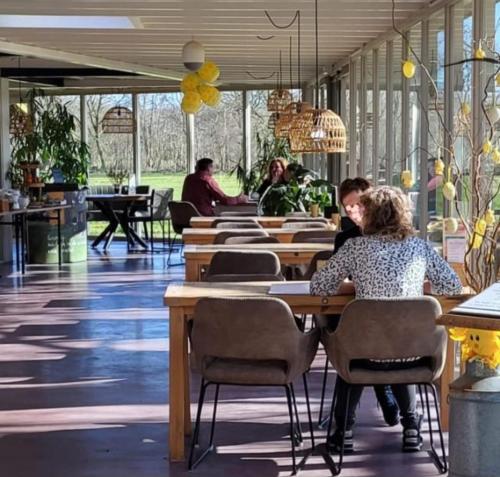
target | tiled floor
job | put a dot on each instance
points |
(83, 385)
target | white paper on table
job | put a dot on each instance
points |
(289, 288)
(455, 249)
(484, 303)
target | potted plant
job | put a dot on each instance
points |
(117, 174)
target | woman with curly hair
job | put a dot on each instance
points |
(387, 261)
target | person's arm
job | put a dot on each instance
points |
(218, 195)
(263, 187)
(328, 280)
(442, 277)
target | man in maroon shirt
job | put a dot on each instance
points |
(202, 190)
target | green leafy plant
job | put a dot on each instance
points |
(52, 141)
(117, 174)
(297, 195)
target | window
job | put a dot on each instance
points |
(381, 154)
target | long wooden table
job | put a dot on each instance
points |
(268, 222)
(198, 257)
(181, 300)
(206, 236)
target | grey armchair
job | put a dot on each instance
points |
(235, 342)
(400, 333)
(222, 236)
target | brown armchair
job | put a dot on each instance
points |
(398, 331)
(235, 342)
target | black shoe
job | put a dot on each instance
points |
(391, 415)
(412, 440)
(335, 441)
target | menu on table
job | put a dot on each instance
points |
(486, 303)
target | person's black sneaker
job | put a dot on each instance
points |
(335, 441)
(412, 440)
(391, 415)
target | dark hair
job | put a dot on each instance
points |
(203, 164)
(358, 184)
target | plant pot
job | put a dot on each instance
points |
(314, 209)
(117, 188)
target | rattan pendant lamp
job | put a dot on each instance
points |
(279, 98)
(317, 130)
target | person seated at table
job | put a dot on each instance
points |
(275, 173)
(350, 192)
(202, 190)
(387, 261)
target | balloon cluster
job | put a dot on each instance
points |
(198, 88)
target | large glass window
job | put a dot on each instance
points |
(381, 154)
(367, 126)
(397, 113)
(259, 120)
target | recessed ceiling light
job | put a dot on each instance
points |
(66, 21)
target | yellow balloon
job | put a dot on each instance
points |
(190, 82)
(409, 69)
(191, 103)
(209, 72)
(209, 95)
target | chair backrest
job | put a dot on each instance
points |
(244, 328)
(221, 237)
(235, 220)
(388, 329)
(322, 256)
(238, 214)
(314, 236)
(238, 225)
(243, 240)
(244, 263)
(142, 189)
(161, 199)
(181, 213)
(305, 219)
(309, 224)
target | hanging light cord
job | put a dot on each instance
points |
(290, 62)
(317, 53)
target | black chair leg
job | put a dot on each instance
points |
(298, 433)
(196, 432)
(145, 226)
(440, 463)
(322, 423)
(212, 429)
(308, 404)
(292, 428)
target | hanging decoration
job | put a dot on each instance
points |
(20, 121)
(279, 98)
(318, 130)
(407, 179)
(197, 86)
(409, 69)
(193, 55)
(118, 120)
(283, 125)
(477, 344)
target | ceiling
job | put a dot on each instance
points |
(151, 54)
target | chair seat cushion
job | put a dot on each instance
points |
(242, 371)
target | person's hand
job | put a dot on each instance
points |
(346, 288)
(427, 288)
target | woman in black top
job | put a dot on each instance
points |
(275, 173)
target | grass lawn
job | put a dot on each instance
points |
(228, 183)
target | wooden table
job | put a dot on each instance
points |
(268, 222)
(19, 217)
(199, 257)
(181, 300)
(206, 236)
(116, 208)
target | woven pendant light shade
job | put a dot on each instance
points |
(317, 130)
(278, 100)
(20, 123)
(282, 129)
(273, 120)
(118, 120)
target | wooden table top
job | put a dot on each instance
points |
(36, 210)
(190, 250)
(117, 197)
(188, 293)
(265, 221)
(470, 321)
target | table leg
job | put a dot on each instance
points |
(444, 384)
(107, 233)
(111, 232)
(193, 270)
(23, 243)
(59, 241)
(18, 251)
(178, 369)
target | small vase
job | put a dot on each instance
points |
(314, 209)
(117, 188)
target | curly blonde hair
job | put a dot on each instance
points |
(387, 212)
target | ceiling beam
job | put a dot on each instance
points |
(60, 72)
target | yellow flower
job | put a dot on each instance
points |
(190, 82)
(191, 103)
(210, 95)
(439, 167)
(449, 191)
(209, 72)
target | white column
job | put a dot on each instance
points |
(247, 132)
(136, 158)
(5, 232)
(190, 143)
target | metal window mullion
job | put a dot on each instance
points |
(424, 133)
(353, 93)
(247, 132)
(389, 143)
(136, 139)
(342, 111)
(362, 119)
(84, 129)
(405, 108)
(375, 115)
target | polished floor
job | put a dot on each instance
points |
(83, 385)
